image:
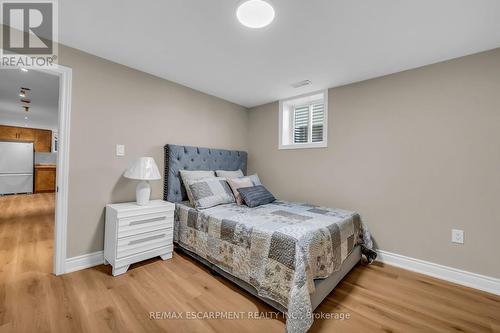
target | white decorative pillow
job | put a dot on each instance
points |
(229, 174)
(190, 175)
(253, 178)
(209, 192)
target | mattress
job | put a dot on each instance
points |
(278, 249)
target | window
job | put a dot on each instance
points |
(303, 121)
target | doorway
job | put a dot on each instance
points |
(34, 159)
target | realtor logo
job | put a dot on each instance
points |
(29, 33)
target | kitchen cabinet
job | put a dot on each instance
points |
(42, 139)
(12, 133)
(26, 134)
(45, 178)
(9, 133)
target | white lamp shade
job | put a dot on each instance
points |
(144, 168)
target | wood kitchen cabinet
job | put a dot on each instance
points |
(10, 133)
(45, 178)
(26, 134)
(42, 139)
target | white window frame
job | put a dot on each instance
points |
(287, 121)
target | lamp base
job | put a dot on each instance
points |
(143, 193)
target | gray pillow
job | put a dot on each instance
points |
(256, 195)
(191, 175)
(229, 174)
(209, 192)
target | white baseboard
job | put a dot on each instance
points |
(74, 264)
(446, 273)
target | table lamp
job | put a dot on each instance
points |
(143, 169)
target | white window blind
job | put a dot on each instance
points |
(308, 123)
(318, 117)
(301, 127)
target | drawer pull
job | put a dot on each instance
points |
(147, 221)
(138, 241)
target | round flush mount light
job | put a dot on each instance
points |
(255, 13)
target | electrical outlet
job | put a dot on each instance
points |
(457, 236)
(120, 150)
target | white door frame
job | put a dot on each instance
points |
(62, 170)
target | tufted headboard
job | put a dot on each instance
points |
(196, 158)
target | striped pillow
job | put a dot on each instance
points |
(256, 195)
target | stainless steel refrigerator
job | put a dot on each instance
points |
(16, 167)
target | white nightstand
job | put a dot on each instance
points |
(134, 233)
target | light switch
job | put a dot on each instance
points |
(120, 150)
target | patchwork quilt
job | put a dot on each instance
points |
(278, 248)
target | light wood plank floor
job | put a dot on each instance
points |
(379, 298)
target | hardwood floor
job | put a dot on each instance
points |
(378, 298)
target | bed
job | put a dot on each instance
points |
(289, 255)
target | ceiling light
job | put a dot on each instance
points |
(255, 13)
(24, 69)
(23, 92)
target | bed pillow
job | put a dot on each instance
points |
(229, 174)
(191, 175)
(256, 196)
(237, 183)
(209, 192)
(255, 179)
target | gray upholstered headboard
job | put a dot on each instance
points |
(196, 158)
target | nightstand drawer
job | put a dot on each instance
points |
(134, 225)
(143, 242)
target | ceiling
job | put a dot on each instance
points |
(44, 97)
(200, 43)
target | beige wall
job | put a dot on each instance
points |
(113, 104)
(416, 153)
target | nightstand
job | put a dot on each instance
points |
(134, 233)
